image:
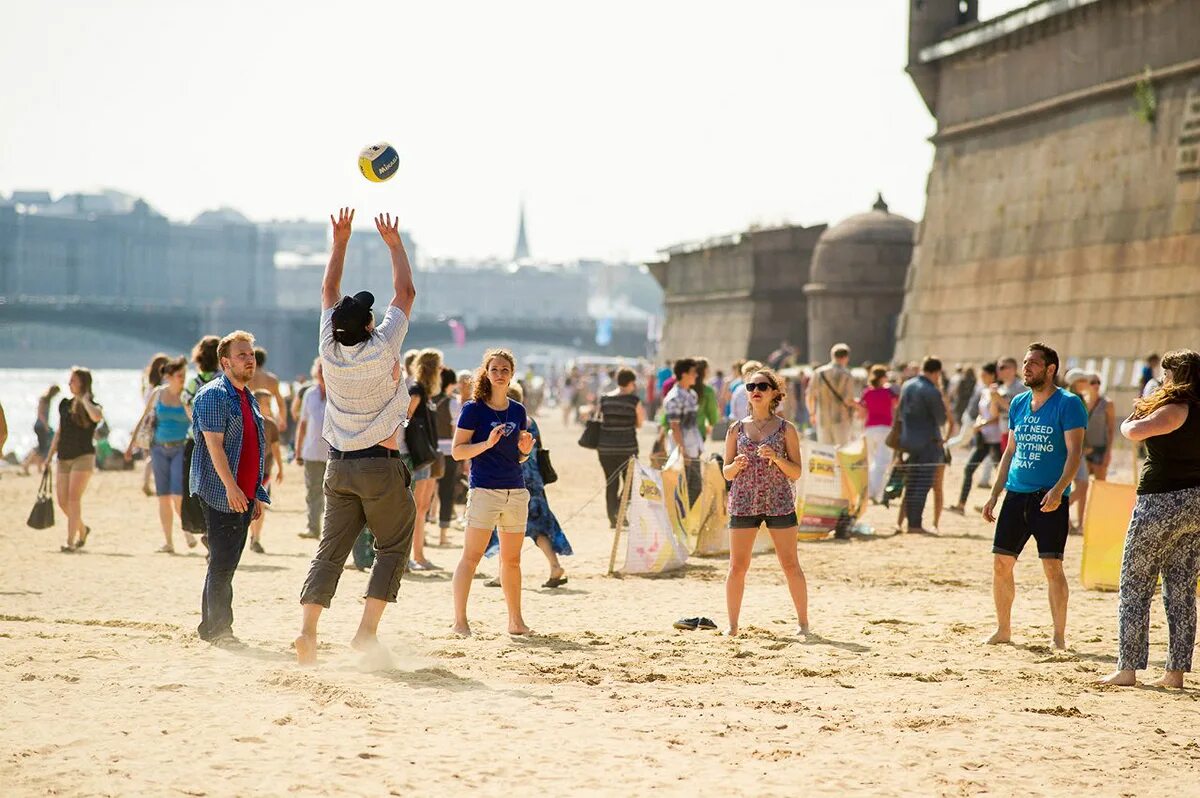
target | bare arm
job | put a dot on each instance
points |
(3, 430)
(1074, 439)
(677, 434)
(215, 441)
(734, 463)
(277, 453)
(402, 277)
(1165, 419)
(331, 284)
(463, 449)
(1110, 422)
(301, 429)
(94, 412)
(1001, 478)
(641, 416)
(281, 416)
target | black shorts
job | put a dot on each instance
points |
(1021, 518)
(755, 521)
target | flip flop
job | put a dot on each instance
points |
(555, 582)
(687, 624)
(87, 530)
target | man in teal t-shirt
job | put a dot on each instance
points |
(1045, 446)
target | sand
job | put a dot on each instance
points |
(107, 690)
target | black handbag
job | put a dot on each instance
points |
(42, 514)
(590, 439)
(418, 436)
(545, 467)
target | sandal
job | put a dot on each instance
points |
(67, 549)
(87, 530)
(555, 581)
(191, 539)
(165, 549)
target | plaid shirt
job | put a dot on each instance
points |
(218, 408)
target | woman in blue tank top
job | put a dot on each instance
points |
(170, 418)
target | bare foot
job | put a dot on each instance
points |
(518, 628)
(1060, 642)
(732, 631)
(1000, 636)
(1171, 679)
(306, 649)
(376, 657)
(802, 630)
(461, 629)
(1124, 678)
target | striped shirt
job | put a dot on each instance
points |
(365, 403)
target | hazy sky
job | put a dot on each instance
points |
(627, 126)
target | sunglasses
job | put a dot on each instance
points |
(759, 386)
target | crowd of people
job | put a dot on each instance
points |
(391, 440)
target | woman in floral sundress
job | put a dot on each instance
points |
(762, 461)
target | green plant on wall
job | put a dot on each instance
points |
(1145, 100)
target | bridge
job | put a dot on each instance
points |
(290, 334)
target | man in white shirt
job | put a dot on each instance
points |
(366, 480)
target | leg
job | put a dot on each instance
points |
(475, 541)
(939, 494)
(226, 540)
(918, 480)
(314, 495)
(978, 455)
(1180, 566)
(1140, 565)
(344, 520)
(789, 561)
(62, 490)
(741, 547)
(78, 484)
(1056, 585)
(1004, 590)
(543, 543)
(422, 496)
(446, 500)
(1079, 499)
(165, 513)
(612, 465)
(510, 579)
(390, 511)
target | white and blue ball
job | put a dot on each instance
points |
(379, 162)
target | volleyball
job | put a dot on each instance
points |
(378, 162)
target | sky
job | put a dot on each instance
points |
(625, 127)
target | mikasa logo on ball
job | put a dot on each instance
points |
(378, 162)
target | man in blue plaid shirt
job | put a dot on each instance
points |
(227, 476)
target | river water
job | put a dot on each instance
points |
(118, 390)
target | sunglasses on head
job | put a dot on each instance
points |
(759, 386)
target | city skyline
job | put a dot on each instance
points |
(624, 132)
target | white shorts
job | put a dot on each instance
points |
(505, 510)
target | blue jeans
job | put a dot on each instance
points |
(226, 540)
(167, 464)
(918, 480)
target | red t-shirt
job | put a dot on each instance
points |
(250, 461)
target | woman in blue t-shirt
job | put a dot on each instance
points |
(492, 434)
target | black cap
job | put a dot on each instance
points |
(351, 315)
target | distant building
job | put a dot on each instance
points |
(1063, 204)
(521, 251)
(737, 296)
(856, 287)
(112, 245)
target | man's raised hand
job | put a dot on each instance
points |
(341, 225)
(389, 230)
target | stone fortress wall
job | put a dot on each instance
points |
(1055, 211)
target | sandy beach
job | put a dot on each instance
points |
(108, 691)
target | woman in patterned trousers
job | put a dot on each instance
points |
(1164, 532)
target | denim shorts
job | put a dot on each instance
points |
(755, 521)
(166, 461)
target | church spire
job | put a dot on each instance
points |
(522, 250)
